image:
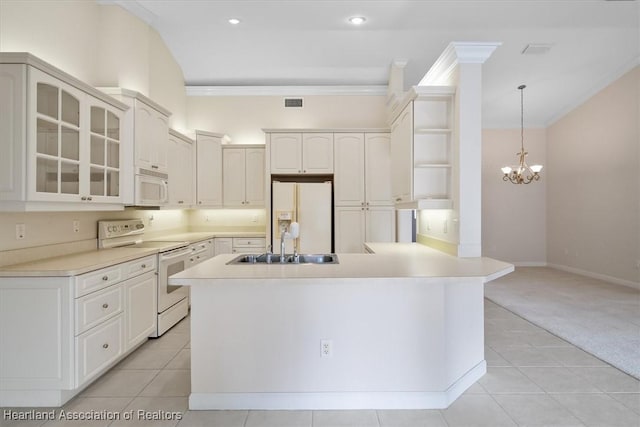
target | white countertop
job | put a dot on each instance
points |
(390, 260)
(83, 262)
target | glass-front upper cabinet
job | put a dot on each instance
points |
(104, 175)
(76, 144)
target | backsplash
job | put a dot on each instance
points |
(52, 233)
(439, 229)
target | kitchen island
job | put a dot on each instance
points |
(401, 328)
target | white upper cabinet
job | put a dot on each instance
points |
(317, 153)
(181, 170)
(62, 140)
(301, 153)
(286, 153)
(402, 156)
(208, 169)
(377, 150)
(151, 130)
(243, 176)
(362, 169)
(349, 178)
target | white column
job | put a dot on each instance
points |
(461, 65)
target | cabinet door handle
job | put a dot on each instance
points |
(143, 266)
(299, 171)
(199, 202)
(367, 203)
(154, 166)
(105, 345)
(105, 278)
(89, 198)
(105, 305)
(304, 171)
(398, 199)
(83, 198)
(180, 201)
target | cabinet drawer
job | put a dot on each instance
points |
(90, 282)
(139, 266)
(98, 348)
(249, 241)
(98, 306)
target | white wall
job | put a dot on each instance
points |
(593, 203)
(244, 117)
(100, 45)
(513, 216)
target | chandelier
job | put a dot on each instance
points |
(521, 173)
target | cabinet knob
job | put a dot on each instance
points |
(105, 278)
(367, 203)
(304, 171)
(143, 266)
(299, 171)
(105, 305)
(83, 198)
(105, 345)
(89, 198)
(398, 199)
(180, 201)
(362, 209)
(191, 259)
(199, 202)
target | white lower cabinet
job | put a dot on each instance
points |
(239, 245)
(223, 245)
(141, 302)
(72, 329)
(356, 225)
(99, 348)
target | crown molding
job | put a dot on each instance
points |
(134, 7)
(380, 90)
(454, 54)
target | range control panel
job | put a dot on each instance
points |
(119, 228)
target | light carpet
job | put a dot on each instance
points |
(600, 317)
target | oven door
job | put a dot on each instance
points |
(151, 189)
(169, 263)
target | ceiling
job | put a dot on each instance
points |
(302, 42)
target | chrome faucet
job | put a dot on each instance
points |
(283, 232)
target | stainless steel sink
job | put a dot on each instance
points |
(288, 259)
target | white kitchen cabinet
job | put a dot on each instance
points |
(223, 245)
(141, 301)
(301, 153)
(209, 169)
(364, 211)
(243, 176)
(422, 150)
(248, 245)
(362, 169)
(147, 126)
(201, 251)
(349, 177)
(355, 225)
(181, 170)
(63, 140)
(72, 329)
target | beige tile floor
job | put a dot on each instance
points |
(533, 379)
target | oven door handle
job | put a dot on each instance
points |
(173, 255)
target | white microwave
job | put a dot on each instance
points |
(151, 189)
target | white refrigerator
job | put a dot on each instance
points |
(310, 205)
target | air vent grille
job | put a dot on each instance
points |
(293, 102)
(536, 48)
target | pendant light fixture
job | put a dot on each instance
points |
(521, 173)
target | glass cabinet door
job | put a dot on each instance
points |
(57, 140)
(104, 175)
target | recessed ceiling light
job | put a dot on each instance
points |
(357, 20)
(234, 21)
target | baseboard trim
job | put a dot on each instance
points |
(530, 264)
(338, 400)
(604, 277)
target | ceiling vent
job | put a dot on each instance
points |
(536, 49)
(293, 102)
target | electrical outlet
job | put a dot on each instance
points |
(21, 231)
(76, 226)
(326, 348)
